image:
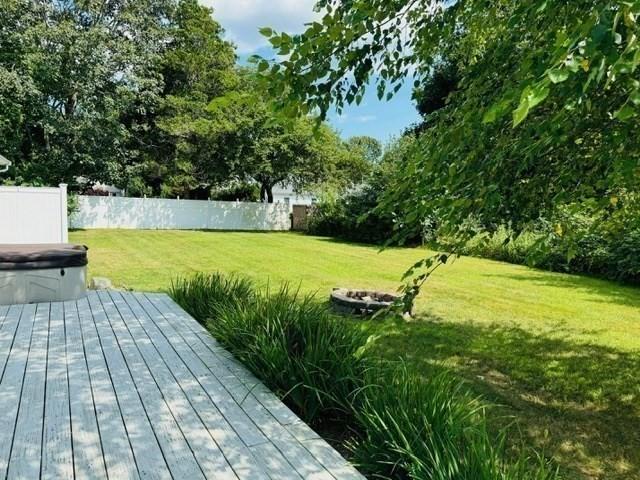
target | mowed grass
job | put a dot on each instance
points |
(560, 353)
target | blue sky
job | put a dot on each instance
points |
(242, 19)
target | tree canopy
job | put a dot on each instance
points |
(368, 147)
(148, 96)
(69, 73)
(543, 115)
(241, 136)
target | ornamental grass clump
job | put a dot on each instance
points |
(202, 294)
(431, 429)
(399, 425)
(312, 360)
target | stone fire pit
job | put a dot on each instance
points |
(360, 302)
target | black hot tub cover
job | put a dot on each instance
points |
(42, 256)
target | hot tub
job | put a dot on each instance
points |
(42, 273)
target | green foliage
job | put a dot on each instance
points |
(70, 74)
(606, 247)
(403, 426)
(234, 191)
(240, 136)
(568, 68)
(367, 147)
(197, 67)
(201, 295)
(72, 204)
(434, 92)
(421, 429)
(355, 215)
(197, 63)
(311, 360)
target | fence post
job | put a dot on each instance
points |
(64, 221)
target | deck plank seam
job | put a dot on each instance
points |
(46, 374)
(13, 339)
(108, 336)
(28, 387)
(91, 390)
(136, 343)
(129, 336)
(229, 394)
(180, 386)
(138, 393)
(66, 366)
(221, 380)
(86, 317)
(133, 453)
(179, 355)
(190, 321)
(284, 415)
(15, 423)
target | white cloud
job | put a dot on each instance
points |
(242, 19)
(366, 118)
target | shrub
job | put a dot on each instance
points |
(403, 426)
(355, 215)
(237, 191)
(593, 250)
(352, 217)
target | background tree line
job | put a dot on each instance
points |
(147, 96)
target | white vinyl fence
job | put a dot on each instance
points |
(33, 215)
(165, 214)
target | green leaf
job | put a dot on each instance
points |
(558, 75)
(266, 32)
(538, 94)
(496, 111)
(625, 113)
(520, 113)
(490, 115)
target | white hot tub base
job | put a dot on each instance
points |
(42, 285)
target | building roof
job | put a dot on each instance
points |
(4, 164)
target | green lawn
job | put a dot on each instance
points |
(561, 353)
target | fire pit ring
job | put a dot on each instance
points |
(360, 302)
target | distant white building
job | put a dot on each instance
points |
(100, 188)
(285, 194)
(4, 164)
(108, 190)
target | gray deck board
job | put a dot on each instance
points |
(124, 385)
(26, 451)
(116, 447)
(88, 459)
(57, 460)
(146, 450)
(177, 453)
(12, 382)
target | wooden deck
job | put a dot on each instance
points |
(127, 385)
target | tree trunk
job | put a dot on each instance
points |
(266, 192)
(70, 104)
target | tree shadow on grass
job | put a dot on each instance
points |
(580, 403)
